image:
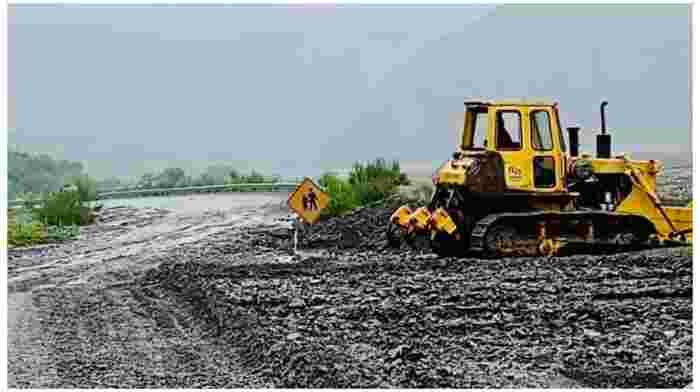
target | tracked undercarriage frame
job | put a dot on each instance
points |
(510, 226)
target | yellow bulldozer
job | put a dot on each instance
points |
(513, 189)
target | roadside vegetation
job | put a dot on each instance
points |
(368, 183)
(214, 175)
(52, 216)
(48, 218)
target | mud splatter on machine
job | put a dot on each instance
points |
(511, 188)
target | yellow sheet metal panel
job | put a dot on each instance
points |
(608, 166)
(648, 169)
(682, 218)
(452, 175)
(640, 203)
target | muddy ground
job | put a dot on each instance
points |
(212, 297)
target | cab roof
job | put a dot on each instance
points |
(510, 102)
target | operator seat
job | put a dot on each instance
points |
(503, 136)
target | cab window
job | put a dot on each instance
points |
(476, 128)
(481, 125)
(540, 130)
(508, 130)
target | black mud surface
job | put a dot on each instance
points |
(368, 317)
(209, 301)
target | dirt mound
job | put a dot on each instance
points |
(362, 229)
(372, 319)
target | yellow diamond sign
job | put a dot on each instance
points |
(308, 200)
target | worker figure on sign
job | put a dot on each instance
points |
(305, 202)
(311, 200)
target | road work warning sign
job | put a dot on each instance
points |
(308, 200)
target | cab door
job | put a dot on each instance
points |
(547, 164)
(527, 139)
(508, 133)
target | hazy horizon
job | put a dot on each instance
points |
(296, 90)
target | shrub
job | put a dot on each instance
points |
(63, 208)
(254, 178)
(87, 187)
(342, 197)
(368, 183)
(375, 181)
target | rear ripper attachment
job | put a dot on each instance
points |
(511, 189)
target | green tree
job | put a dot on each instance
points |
(147, 180)
(170, 177)
(254, 178)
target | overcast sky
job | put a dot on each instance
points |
(300, 89)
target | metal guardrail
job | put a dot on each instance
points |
(253, 187)
(259, 187)
(289, 180)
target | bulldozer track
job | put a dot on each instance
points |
(482, 239)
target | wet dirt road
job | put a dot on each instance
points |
(97, 270)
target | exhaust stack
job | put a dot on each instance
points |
(603, 141)
(573, 140)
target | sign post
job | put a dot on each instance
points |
(296, 231)
(307, 201)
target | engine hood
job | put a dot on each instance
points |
(456, 171)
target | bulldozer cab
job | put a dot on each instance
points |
(526, 135)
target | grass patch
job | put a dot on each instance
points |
(368, 183)
(52, 217)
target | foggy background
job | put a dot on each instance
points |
(297, 90)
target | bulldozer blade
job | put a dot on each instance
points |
(682, 220)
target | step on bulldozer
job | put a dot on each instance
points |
(513, 189)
